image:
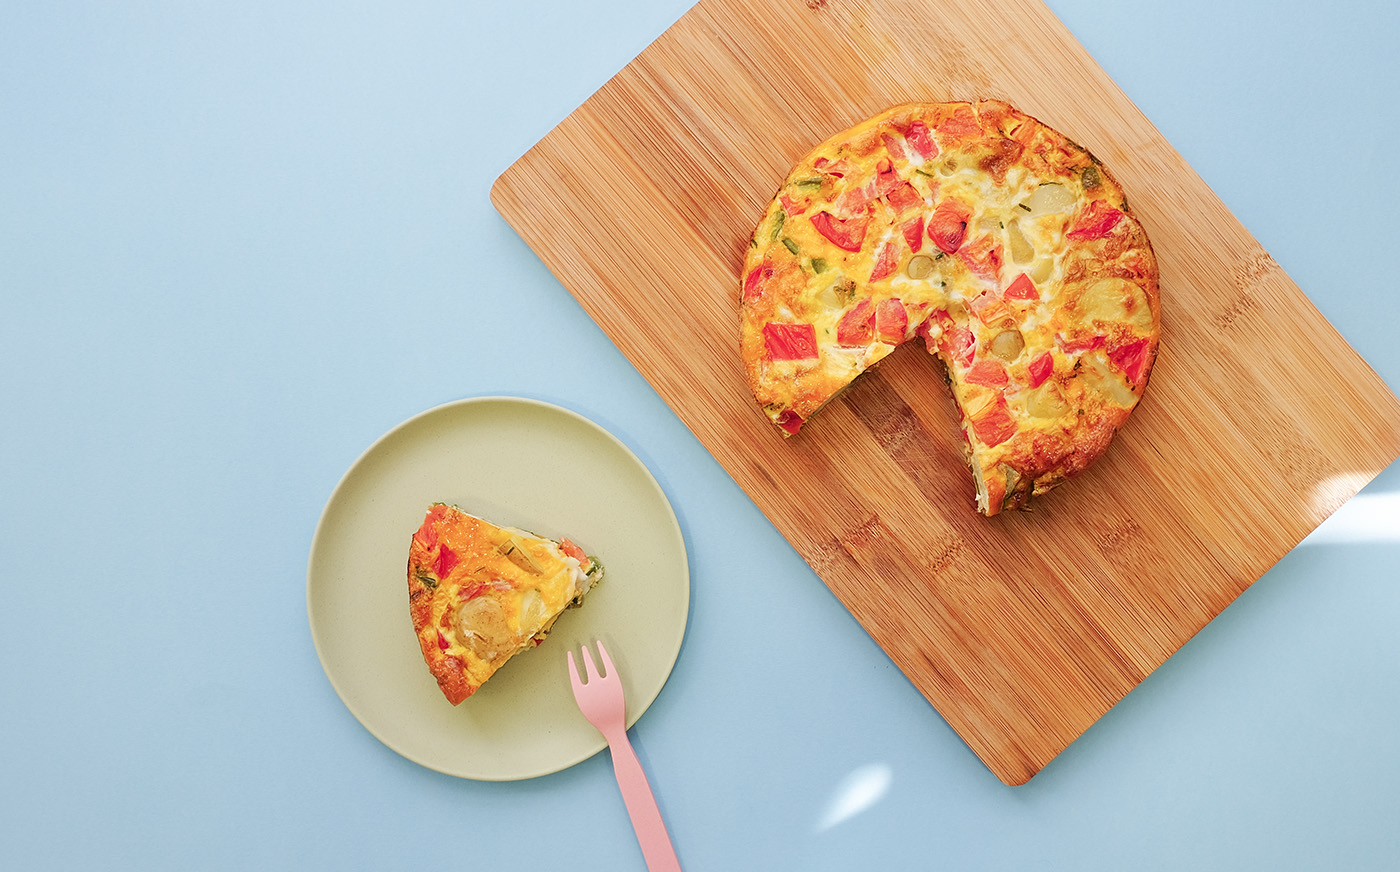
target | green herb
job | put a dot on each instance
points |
(1024, 206)
(428, 581)
(818, 265)
(1090, 177)
(778, 221)
(791, 246)
(808, 184)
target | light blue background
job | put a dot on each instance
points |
(240, 241)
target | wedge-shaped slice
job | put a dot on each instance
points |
(479, 594)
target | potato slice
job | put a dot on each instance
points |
(516, 552)
(1050, 199)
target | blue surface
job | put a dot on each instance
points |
(218, 223)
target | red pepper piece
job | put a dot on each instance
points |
(960, 123)
(886, 262)
(446, 559)
(1080, 345)
(920, 141)
(988, 373)
(442, 641)
(895, 146)
(988, 307)
(956, 342)
(904, 197)
(837, 168)
(791, 206)
(844, 234)
(1132, 359)
(891, 320)
(427, 534)
(994, 425)
(790, 341)
(886, 179)
(1040, 368)
(753, 283)
(983, 257)
(790, 421)
(572, 550)
(1096, 222)
(1022, 289)
(914, 234)
(855, 201)
(959, 344)
(857, 327)
(947, 227)
(471, 592)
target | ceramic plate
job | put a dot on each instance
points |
(520, 463)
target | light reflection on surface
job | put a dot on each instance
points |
(858, 791)
(1364, 518)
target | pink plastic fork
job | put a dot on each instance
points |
(602, 703)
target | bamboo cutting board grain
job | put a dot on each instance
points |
(1025, 628)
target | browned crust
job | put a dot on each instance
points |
(450, 672)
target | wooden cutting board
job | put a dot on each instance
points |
(1021, 629)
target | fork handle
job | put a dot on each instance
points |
(641, 806)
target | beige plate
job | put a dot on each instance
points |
(521, 463)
